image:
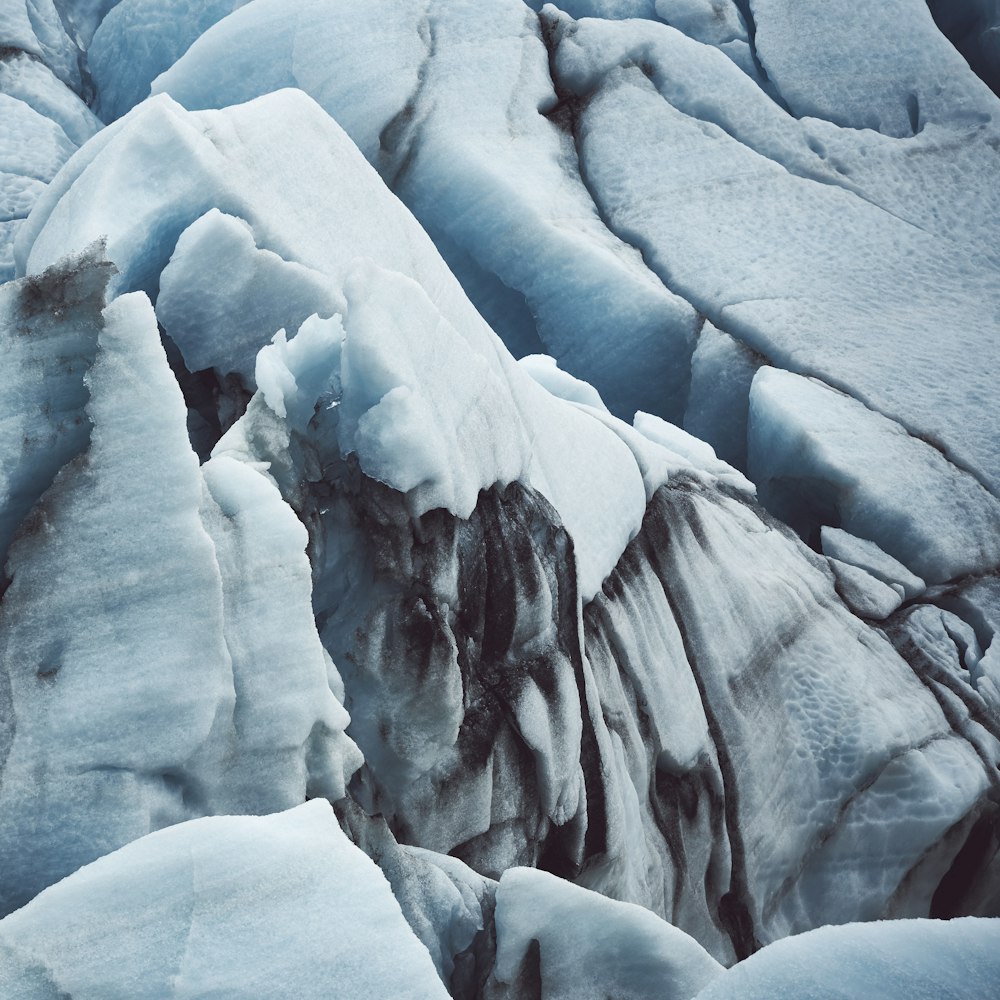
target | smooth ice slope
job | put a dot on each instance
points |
(820, 457)
(228, 907)
(138, 39)
(571, 944)
(898, 960)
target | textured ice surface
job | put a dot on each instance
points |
(567, 640)
(891, 71)
(36, 27)
(838, 253)
(565, 942)
(908, 960)
(146, 677)
(503, 200)
(820, 457)
(864, 554)
(32, 82)
(232, 906)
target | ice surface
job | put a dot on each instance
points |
(155, 670)
(48, 336)
(892, 71)
(820, 457)
(34, 83)
(138, 39)
(866, 555)
(31, 145)
(42, 122)
(567, 942)
(863, 592)
(232, 906)
(82, 18)
(699, 453)
(843, 254)
(132, 607)
(560, 634)
(36, 27)
(447, 904)
(32, 149)
(503, 200)
(581, 467)
(722, 371)
(904, 959)
(288, 726)
(546, 372)
(224, 324)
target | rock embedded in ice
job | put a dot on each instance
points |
(231, 906)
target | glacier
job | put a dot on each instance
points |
(499, 501)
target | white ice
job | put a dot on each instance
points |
(892, 960)
(228, 907)
(590, 947)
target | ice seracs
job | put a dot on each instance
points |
(694, 606)
(146, 676)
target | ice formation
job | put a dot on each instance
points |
(559, 438)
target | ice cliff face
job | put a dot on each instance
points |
(560, 439)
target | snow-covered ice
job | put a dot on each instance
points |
(229, 906)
